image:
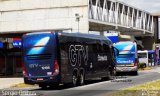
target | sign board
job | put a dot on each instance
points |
(17, 42)
(113, 37)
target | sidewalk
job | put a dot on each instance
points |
(8, 82)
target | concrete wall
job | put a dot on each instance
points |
(43, 15)
(156, 29)
(148, 43)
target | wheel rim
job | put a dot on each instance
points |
(114, 72)
(74, 80)
(109, 75)
(81, 79)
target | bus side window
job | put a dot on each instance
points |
(106, 48)
(98, 46)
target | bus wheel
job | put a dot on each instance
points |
(109, 75)
(54, 86)
(81, 79)
(135, 72)
(114, 73)
(43, 86)
(74, 79)
(104, 78)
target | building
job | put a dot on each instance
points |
(18, 17)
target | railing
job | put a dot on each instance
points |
(120, 14)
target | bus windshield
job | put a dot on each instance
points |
(37, 43)
(142, 55)
(39, 52)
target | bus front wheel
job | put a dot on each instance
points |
(135, 73)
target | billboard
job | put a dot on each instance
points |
(17, 42)
(113, 37)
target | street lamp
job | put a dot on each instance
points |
(78, 19)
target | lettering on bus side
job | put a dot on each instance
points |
(102, 58)
(78, 53)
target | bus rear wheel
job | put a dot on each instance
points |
(109, 75)
(54, 86)
(74, 79)
(81, 79)
(43, 86)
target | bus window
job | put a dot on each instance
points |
(142, 55)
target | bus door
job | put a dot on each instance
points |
(151, 55)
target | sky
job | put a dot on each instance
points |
(152, 6)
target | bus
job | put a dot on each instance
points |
(143, 57)
(53, 58)
(127, 59)
(148, 57)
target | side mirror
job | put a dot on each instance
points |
(116, 51)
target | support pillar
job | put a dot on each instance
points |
(102, 33)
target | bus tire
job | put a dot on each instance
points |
(74, 79)
(135, 72)
(109, 75)
(104, 78)
(114, 73)
(43, 86)
(54, 86)
(81, 79)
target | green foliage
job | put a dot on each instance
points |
(141, 65)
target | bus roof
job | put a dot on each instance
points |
(90, 36)
(75, 35)
(126, 42)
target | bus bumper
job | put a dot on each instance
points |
(40, 80)
(126, 69)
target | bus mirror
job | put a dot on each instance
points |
(116, 51)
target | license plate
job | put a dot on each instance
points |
(125, 68)
(39, 79)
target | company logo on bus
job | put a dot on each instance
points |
(102, 58)
(77, 53)
(126, 61)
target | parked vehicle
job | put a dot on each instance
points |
(148, 57)
(52, 58)
(143, 57)
(127, 59)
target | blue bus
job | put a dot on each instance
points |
(52, 58)
(127, 60)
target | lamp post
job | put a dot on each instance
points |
(78, 19)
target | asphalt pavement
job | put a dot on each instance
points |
(102, 88)
(98, 87)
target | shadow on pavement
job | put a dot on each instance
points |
(121, 75)
(67, 86)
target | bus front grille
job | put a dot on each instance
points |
(39, 56)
